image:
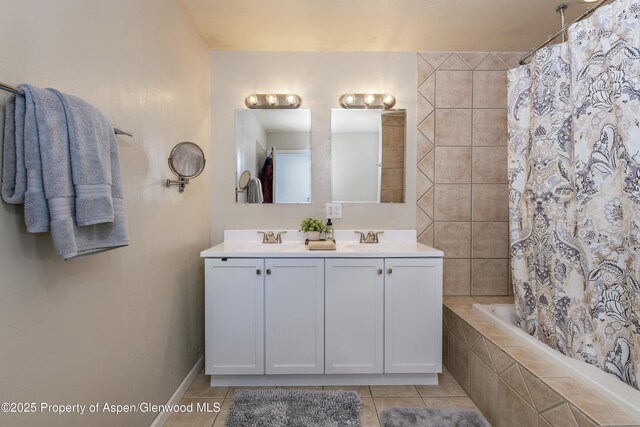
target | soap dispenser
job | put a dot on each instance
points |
(329, 232)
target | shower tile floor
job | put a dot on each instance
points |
(375, 399)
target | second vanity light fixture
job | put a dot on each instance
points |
(272, 101)
(381, 101)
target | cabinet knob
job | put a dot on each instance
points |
(379, 271)
(258, 272)
(268, 271)
(389, 270)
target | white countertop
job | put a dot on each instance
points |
(393, 243)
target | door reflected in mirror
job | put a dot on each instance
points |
(368, 156)
(274, 146)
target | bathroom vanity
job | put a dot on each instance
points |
(280, 314)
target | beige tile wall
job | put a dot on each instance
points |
(461, 183)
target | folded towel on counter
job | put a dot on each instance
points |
(321, 245)
(49, 160)
(92, 143)
(254, 191)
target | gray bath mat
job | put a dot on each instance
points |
(432, 417)
(295, 408)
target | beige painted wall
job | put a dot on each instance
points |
(123, 326)
(319, 78)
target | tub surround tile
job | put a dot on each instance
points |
(501, 360)
(471, 334)
(426, 238)
(454, 62)
(491, 63)
(425, 70)
(490, 202)
(499, 336)
(459, 361)
(473, 59)
(560, 416)
(490, 165)
(435, 59)
(428, 89)
(543, 396)
(456, 330)
(452, 202)
(493, 299)
(428, 128)
(423, 221)
(536, 362)
(481, 351)
(483, 387)
(423, 108)
(453, 127)
(581, 418)
(454, 239)
(453, 165)
(454, 89)
(458, 300)
(426, 202)
(542, 422)
(489, 276)
(447, 387)
(427, 166)
(594, 405)
(513, 378)
(490, 240)
(490, 89)
(490, 127)
(424, 145)
(457, 276)
(513, 410)
(510, 59)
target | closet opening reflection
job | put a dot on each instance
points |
(275, 147)
(368, 156)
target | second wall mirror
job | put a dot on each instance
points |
(274, 146)
(368, 156)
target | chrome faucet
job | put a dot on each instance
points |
(372, 237)
(271, 237)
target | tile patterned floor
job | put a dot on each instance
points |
(375, 399)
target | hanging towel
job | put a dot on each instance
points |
(91, 143)
(50, 194)
(14, 173)
(254, 191)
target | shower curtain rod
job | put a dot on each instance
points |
(561, 30)
(8, 88)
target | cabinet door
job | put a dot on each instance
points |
(354, 310)
(294, 316)
(413, 315)
(234, 316)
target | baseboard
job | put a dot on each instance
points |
(180, 391)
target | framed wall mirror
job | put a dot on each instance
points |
(368, 156)
(274, 146)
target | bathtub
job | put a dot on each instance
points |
(606, 384)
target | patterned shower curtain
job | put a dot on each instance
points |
(574, 170)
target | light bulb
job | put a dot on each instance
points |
(388, 100)
(292, 100)
(272, 100)
(349, 99)
(369, 99)
(251, 100)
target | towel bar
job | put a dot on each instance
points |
(8, 88)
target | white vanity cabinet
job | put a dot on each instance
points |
(412, 319)
(354, 316)
(364, 314)
(294, 316)
(234, 316)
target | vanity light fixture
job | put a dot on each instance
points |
(380, 101)
(272, 101)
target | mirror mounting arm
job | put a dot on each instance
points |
(181, 183)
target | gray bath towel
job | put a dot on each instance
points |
(14, 173)
(55, 177)
(254, 191)
(91, 141)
